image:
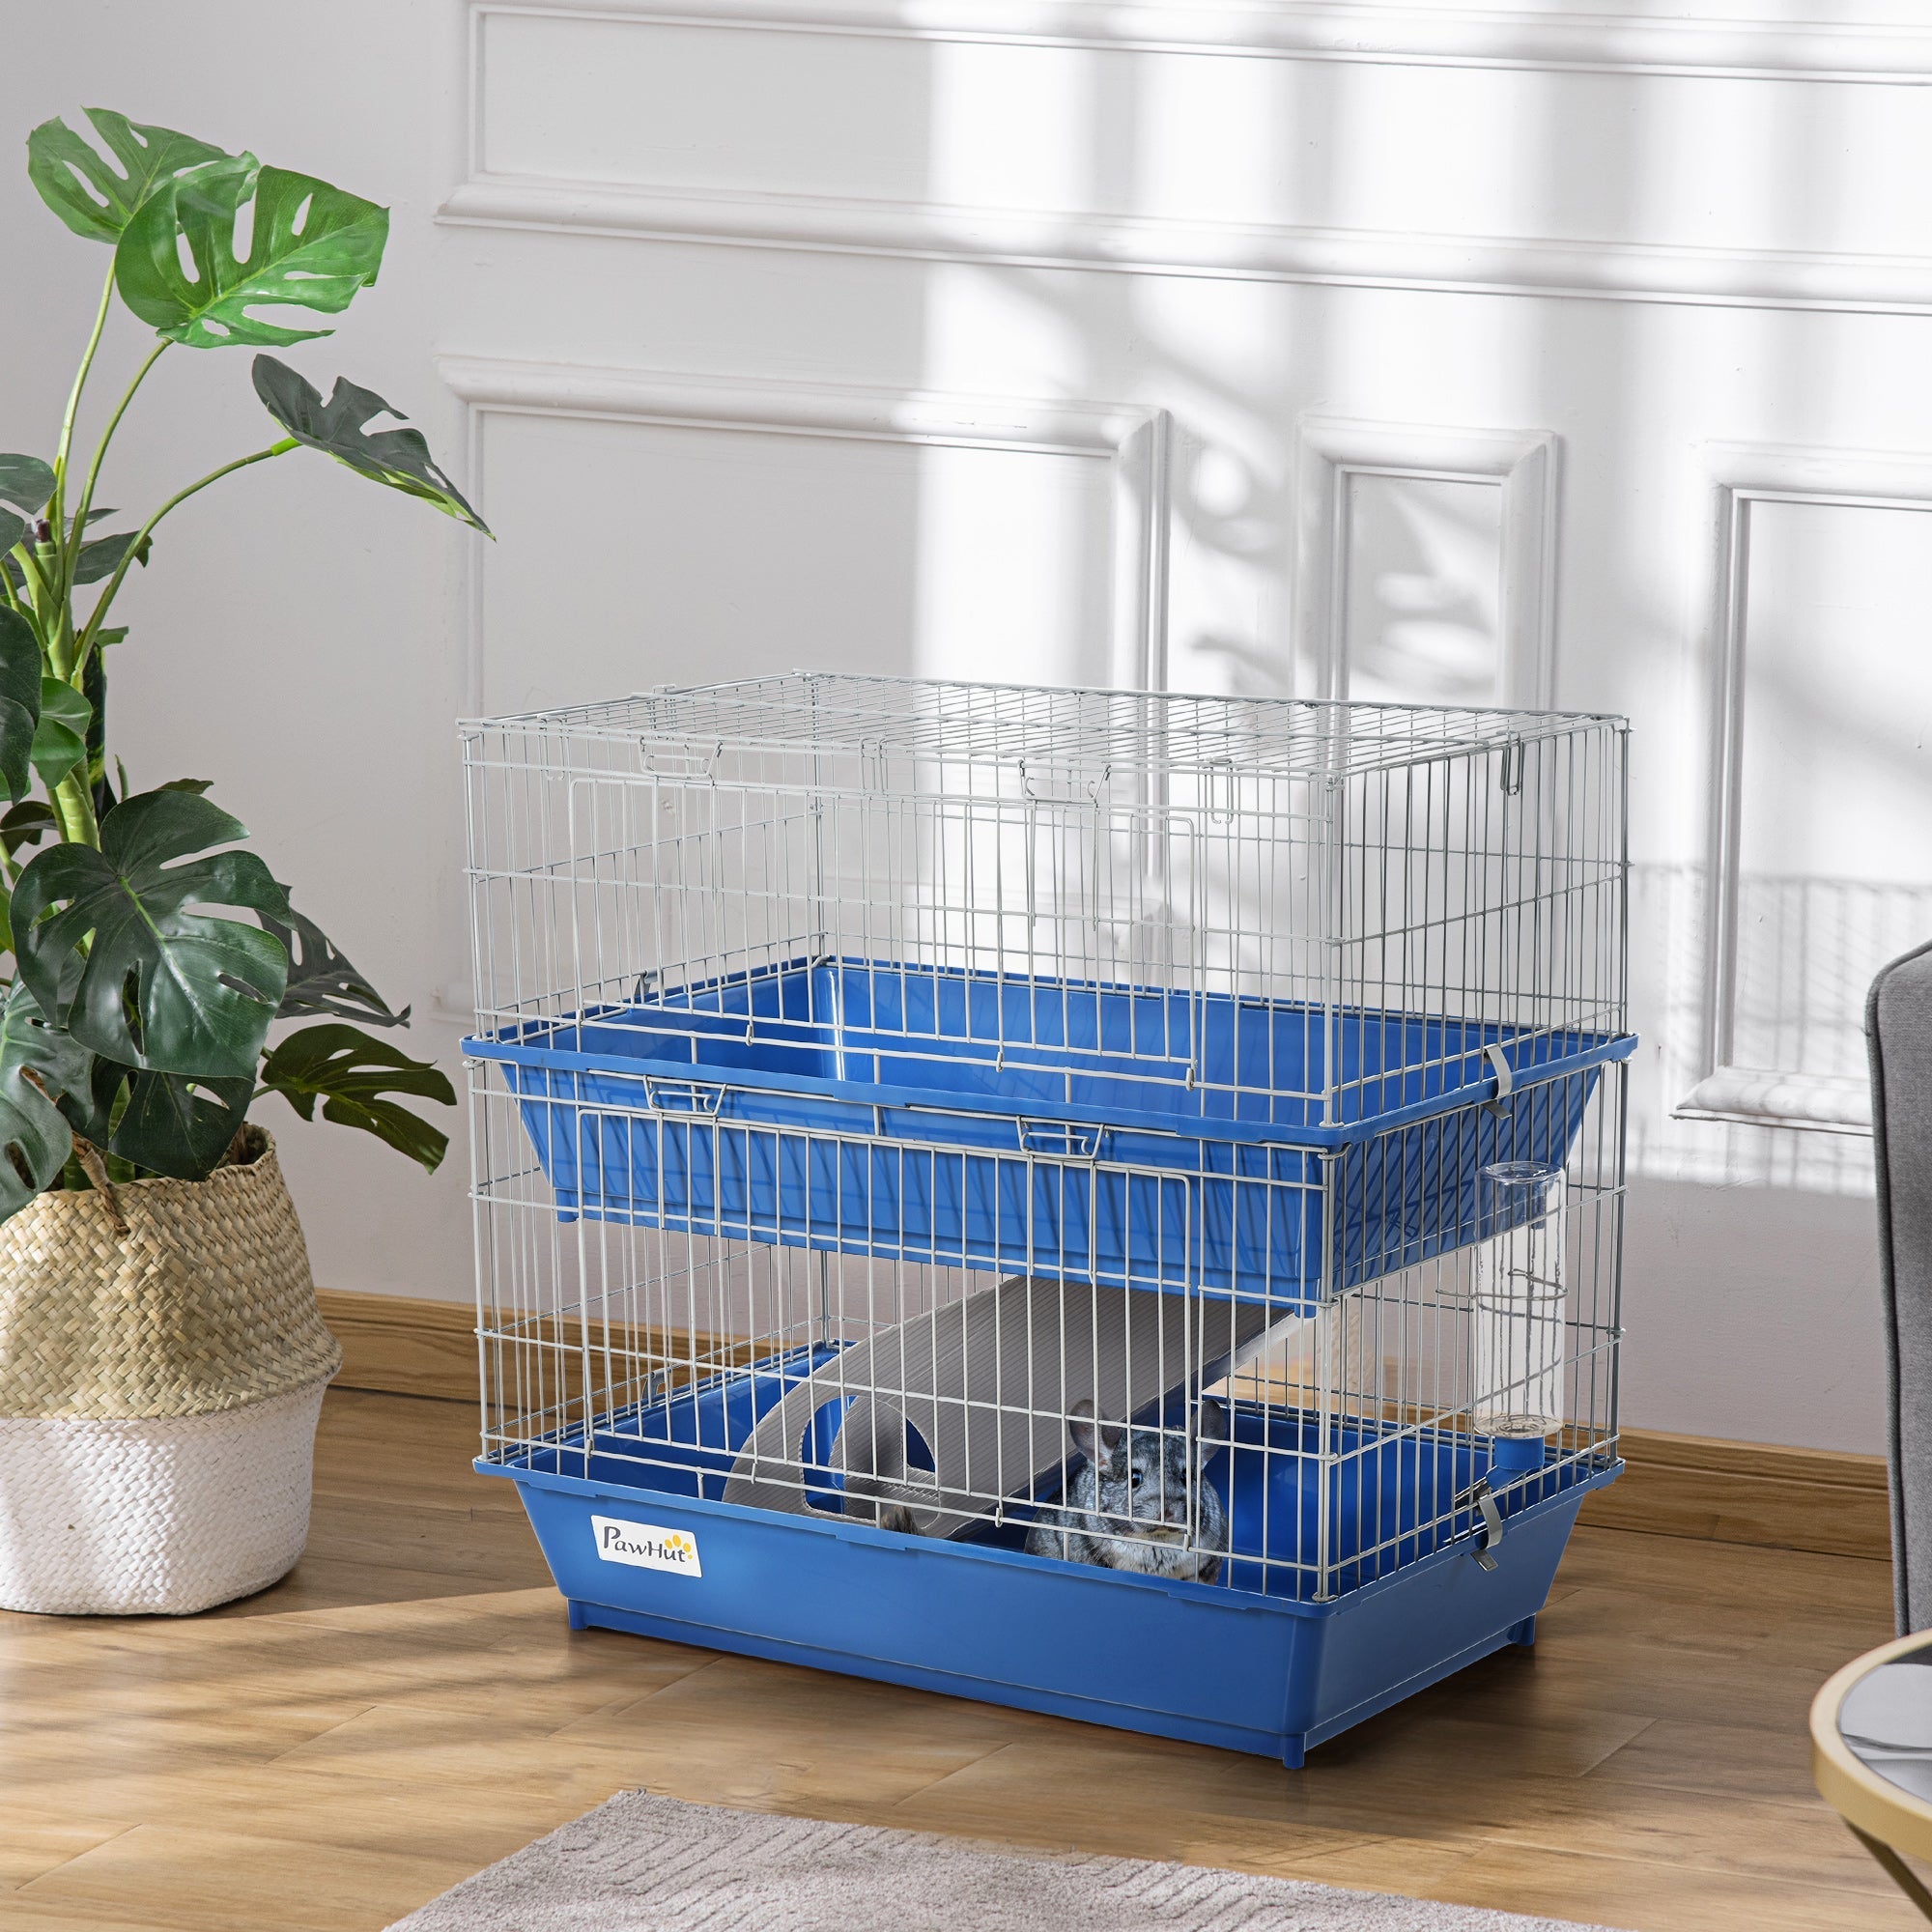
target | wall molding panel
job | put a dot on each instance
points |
(1521, 464)
(1335, 257)
(1133, 441)
(1738, 476)
(1584, 268)
(1762, 48)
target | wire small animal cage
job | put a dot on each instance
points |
(1156, 1158)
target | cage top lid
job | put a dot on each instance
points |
(954, 720)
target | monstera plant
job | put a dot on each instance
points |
(152, 956)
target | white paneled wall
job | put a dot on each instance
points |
(1026, 537)
(1533, 354)
(1426, 564)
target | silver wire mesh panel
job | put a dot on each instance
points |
(1177, 1133)
(913, 839)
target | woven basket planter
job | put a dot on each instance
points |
(158, 1393)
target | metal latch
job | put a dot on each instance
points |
(1505, 1076)
(1509, 769)
(1217, 786)
(681, 1097)
(1064, 784)
(1058, 1137)
(1483, 1501)
(680, 757)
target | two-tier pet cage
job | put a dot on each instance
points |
(873, 1076)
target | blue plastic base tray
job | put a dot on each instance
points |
(964, 1120)
(1252, 1662)
(1209, 1663)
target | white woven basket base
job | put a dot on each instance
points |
(169, 1515)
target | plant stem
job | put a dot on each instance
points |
(85, 648)
(57, 504)
(96, 1170)
(55, 609)
(73, 809)
(86, 504)
(33, 575)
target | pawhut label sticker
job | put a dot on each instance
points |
(646, 1546)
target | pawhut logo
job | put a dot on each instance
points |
(646, 1547)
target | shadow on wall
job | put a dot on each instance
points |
(1421, 586)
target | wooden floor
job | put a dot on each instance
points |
(409, 1706)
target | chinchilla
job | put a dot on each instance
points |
(1134, 1500)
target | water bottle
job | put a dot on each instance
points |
(1517, 1352)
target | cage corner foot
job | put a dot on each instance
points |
(1523, 1634)
(1294, 1753)
(580, 1618)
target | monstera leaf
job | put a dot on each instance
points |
(25, 824)
(59, 739)
(25, 482)
(39, 1064)
(173, 1123)
(310, 246)
(20, 825)
(86, 192)
(158, 989)
(168, 1123)
(19, 700)
(339, 428)
(98, 558)
(322, 980)
(351, 1073)
(89, 1104)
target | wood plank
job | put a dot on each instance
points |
(332, 1753)
(1807, 1582)
(191, 1878)
(403, 1345)
(48, 1916)
(1750, 1493)
(1653, 1896)
(31, 1847)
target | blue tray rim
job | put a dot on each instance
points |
(484, 1048)
(1214, 1593)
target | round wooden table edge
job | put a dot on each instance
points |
(1858, 1795)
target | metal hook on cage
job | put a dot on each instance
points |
(1509, 770)
(680, 758)
(1219, 785)
(1045, 781)
(1505, 1078)
(1479, 1497)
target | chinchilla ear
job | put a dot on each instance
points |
(1095, 1441)
(1209, 1426)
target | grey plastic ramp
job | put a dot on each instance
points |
(987, 1384)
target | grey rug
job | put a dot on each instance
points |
(641, 1863)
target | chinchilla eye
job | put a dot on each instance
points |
(1140, 1476)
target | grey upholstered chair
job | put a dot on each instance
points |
(1898, 1025)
